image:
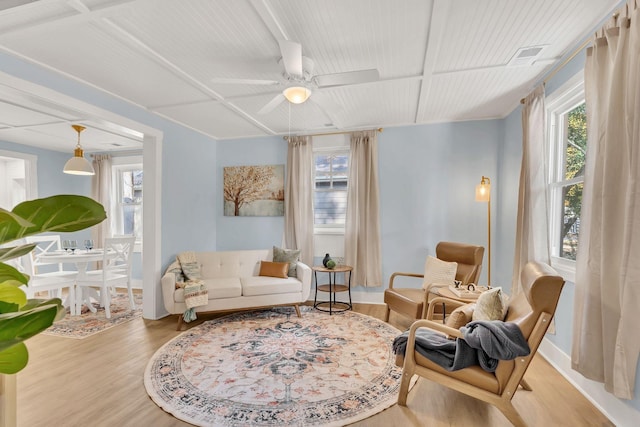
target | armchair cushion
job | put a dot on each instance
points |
(491, 305)
(438, 271)
(460, 316)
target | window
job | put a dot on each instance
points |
(567, 119)
(127, 175)
(330, 192)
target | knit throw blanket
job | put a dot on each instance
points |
(187, 273)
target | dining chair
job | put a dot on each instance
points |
(115, 272)
(44, 245)
(53, 282)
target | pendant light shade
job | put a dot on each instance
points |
(78, 165)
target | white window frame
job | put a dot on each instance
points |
(118, 165)
(561, 101)
(328, 228)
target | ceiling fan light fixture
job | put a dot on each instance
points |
(78, 165)
(296, 94)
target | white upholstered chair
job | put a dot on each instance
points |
(115, 272)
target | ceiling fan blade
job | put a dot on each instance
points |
(348, 78)
(272, 104)
(245, 81)
(291, 57)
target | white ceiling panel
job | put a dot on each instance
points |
(437, 60)
(212, 118)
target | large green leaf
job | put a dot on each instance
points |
(63, 213)
(33, 303)
(19, 326)
(12, 295)
(14, 359)
(16, 251)
(10, 274)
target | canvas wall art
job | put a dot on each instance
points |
(254, 190)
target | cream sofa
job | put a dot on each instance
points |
(233, 283)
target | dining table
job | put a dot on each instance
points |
(81, 259)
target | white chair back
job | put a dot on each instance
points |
(120, 264)
(44, 244)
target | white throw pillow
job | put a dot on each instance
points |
(437, 271)
(491, 305)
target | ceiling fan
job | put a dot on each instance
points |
(300, 81)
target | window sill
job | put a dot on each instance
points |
(329, 231)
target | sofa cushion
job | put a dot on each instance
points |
(274, 269)
(262, 285)
(287, 255)
(225, 287)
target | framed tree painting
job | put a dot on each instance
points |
(254, 190)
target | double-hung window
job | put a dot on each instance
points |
(127, 176)
(330, 192)
(567, 122)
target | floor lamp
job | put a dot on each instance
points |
(483, 194)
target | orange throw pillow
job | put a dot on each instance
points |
(274, 269)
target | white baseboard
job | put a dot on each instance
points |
(136, 283)
(620, 413)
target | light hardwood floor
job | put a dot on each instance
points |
(98, 382)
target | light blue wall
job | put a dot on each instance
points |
(248, 232)
(428, 176)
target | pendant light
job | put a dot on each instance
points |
(78, 165)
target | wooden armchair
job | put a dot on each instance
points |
(532, 310)
(413, 302)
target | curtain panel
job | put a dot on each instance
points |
(101, 192)
(606, 343)
(532, 226)
(362, 228)
(298, 198)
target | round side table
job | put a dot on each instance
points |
(332, 288)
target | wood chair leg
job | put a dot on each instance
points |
(180, 321)
(404, 387)
(386, 315)
(525, 385)
(509, 411)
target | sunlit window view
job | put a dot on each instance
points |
(574, 156)
(330, 196)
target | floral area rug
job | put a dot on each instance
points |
(266, 368)
(89, 323)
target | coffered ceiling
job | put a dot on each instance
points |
(436, 61)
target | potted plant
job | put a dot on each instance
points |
(21, 318)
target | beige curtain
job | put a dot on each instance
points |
(101, 192)
(362, 228)
(532, 230)
(298, 198)
(606, 342)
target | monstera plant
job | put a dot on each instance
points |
(22, 318)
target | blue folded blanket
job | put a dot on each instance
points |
(483, 343)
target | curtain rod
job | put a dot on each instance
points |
(337, 133)
(565, 62)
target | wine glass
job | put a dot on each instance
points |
(65, 245)
(73, 245)
(88, 244)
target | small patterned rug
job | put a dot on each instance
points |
(266, 368)
(89, 323)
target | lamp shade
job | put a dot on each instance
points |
(296, 94)
(483, 190)
(78, 165)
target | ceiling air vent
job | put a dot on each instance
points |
(526, 56)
